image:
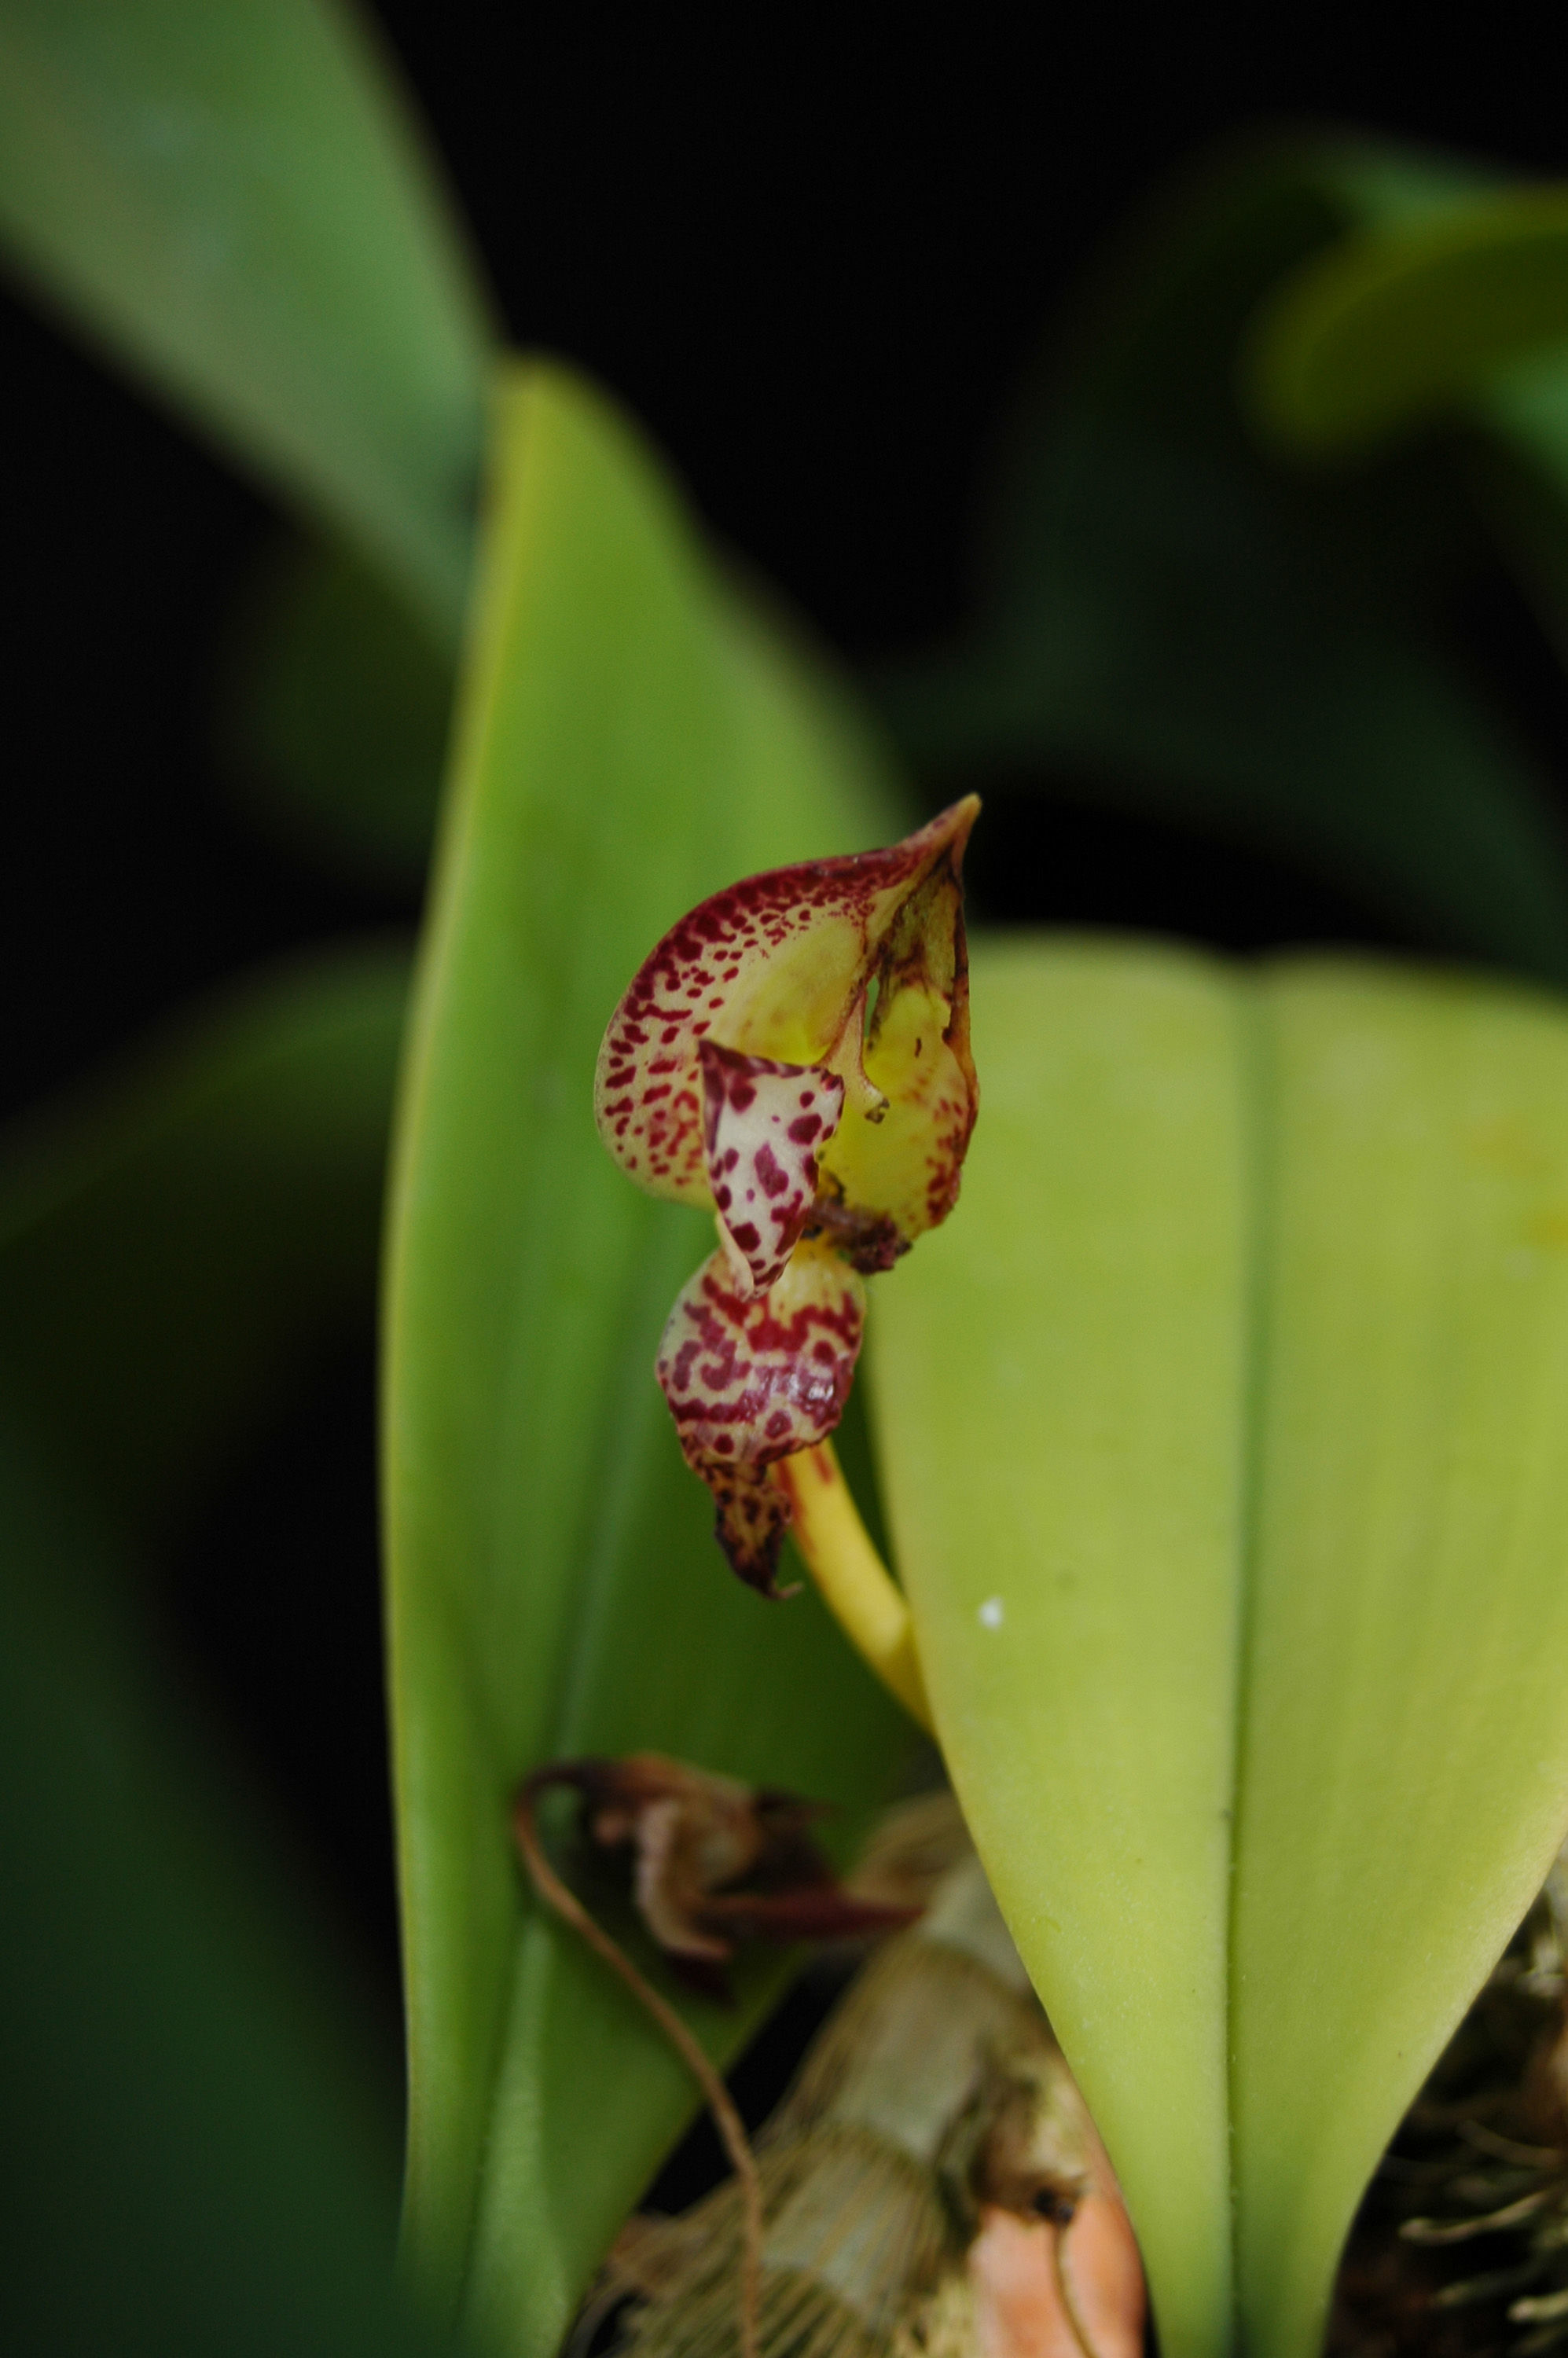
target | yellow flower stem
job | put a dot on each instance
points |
(856, 1585)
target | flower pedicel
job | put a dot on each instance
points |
(795, 1055)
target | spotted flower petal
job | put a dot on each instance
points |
(764, 1124)
(752, 1379)
(854, 968)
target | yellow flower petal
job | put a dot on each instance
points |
(853, 967)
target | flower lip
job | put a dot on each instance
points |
(752, 1379)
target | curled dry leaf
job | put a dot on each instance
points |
(715, 1863)
(795, 1055)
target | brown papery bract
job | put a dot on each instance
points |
(931, 2186)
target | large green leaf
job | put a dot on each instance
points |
(1221, 1430)
(236, 201)
(1059, 1377)
(199, 2155)
(1175, 621)
(176, 1242)
(630, 739)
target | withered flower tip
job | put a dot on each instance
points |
(795, 1055)
(715, 1862)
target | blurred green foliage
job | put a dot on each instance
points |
(1301, 405)
(180, 1243)
(236, 203)
(200, 2154)
(1180, 617)
(332, 714)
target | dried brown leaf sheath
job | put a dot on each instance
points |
(695, 1837)
(931, 2188)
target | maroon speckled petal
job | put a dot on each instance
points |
(751, 1380)
(780, 967)
(763, 1125)
(795, 1053)
(751, 1515)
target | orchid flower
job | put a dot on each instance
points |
(795, 1055)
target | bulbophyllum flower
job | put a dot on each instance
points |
(794, 1054)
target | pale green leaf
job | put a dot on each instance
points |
(236, 201)
(1221, 1435)
(1059, 1377)
(630, 739)
(1403, 1776)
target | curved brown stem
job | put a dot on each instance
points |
(731, 2126)
(1079, 2331)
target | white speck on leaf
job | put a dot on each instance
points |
(991, 1612)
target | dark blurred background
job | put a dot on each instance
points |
(814, 259)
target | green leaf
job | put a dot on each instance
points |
(333, 715)
(1233, 1393)
(1404, 322)
(630, 739)
(175, 1242)
(200, 2157)
(1175, 622)
(236, 203)
(1058, 1385)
